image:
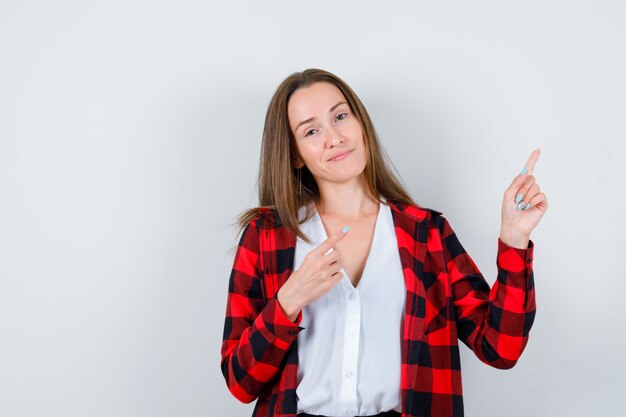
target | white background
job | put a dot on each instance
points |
(129, 141)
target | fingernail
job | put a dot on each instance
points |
(345, 229)
(523, 171)
(527, 206)
(519, 197)
(520, 205)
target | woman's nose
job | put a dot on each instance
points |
(333, 138)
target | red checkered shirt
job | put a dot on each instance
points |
(447, 299)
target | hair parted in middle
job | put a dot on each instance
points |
(277, 181)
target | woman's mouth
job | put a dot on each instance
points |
(341, 156)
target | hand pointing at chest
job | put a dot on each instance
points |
(317, 275)
(523, 206)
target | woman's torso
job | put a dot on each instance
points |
(349, 353)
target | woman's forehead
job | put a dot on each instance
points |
(317, 93)
(313, 101)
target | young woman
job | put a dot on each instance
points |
(346, 298)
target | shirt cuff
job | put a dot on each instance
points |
(515, 259)
(283, 327)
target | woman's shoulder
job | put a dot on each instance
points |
(263, 217)
(412, 214)
(417, 212)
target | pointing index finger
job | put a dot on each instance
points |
(532, 160)
(328, 244)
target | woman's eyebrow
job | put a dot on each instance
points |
(313, 118)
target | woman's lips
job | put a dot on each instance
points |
(341, 157)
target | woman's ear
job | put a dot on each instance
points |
(297, 162)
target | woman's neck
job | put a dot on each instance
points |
(347, 205)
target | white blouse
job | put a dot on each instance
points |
(349, 352)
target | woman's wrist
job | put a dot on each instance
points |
(514, 240)
(289, 309)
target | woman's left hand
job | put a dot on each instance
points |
(523, 206)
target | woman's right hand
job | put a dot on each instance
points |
(317, 275)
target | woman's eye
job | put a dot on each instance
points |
(340, 116)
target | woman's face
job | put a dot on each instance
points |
(324, 127)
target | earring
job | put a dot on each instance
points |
(299, 181)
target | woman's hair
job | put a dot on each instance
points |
(278, 178)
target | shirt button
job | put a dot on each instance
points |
(352, 295)
(349, 374)
(529, 260)
(292, 332)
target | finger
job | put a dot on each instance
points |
(532, 160)
(332, 257)
(332, 269)
(522, 191)
(336, 277)
(525, 203)
(328, 244)
(515, 188)
(512, 191)
(540, 200)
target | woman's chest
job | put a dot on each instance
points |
(356, 247)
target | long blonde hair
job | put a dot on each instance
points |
(278, 178)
